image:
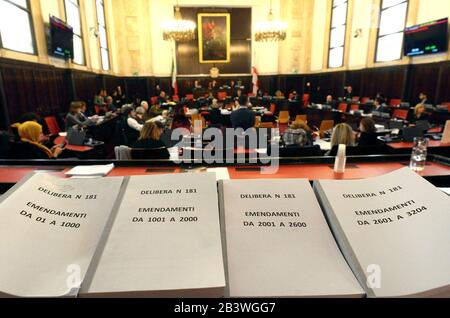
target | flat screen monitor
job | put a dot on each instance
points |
(61, 39)
(427, 38)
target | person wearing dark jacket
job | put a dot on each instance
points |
(215, 115)
(243, 117)
(368, 136)
(150, 139)
(75, 117)
(30, 146)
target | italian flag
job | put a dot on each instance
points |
(255, 80)
(174, 76)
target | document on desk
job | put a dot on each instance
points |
(49, 231)
(90, 171)
(393, 231)
(164, 242)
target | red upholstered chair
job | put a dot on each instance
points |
(447, 104)
(343, 107)
(284, 118)
(400, 114)
(175, 98)
(365, 100)
(355, 99)
(395, 102)
(97, 109)
(221, 96)
(190, 96)
(306, 99)
(354, 107)
(272, 109)
(52, 125)
(251, 95)
(154, 100)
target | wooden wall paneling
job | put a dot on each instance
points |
(353, 78)
(389, 81)
(423, 78)
(4, 113)
(86, 86)
(443, 91)
(138, 87)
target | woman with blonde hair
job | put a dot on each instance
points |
(31, 135)
(150, 137)
(298, 135)
(343, 135)
(420, 113)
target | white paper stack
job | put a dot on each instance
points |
(49, 231)
(90, 171)
(394, 231)
(164, 242)
(278, 243)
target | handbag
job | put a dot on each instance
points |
(76, 137)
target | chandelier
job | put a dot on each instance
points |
(271, 30)
(178, 30)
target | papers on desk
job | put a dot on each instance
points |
(174, 153)
(90, 171)
(380, 127)
(62, 134)
(225, 112)
(324, 145)
(445, 190)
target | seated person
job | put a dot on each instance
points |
(330, 102)
(342, 135)
(31, 146)
(23, 119)
(420, 113)
(130, 127)
(140, 114)
(98, 98)
(294, 96)
(243, 117)
(110, 106)
(379, 106)
(180, 120)
(423, 97)
(150, 138)
(75, 116)
(146, 107)
(215, 114)
(260, 93)
(380, 97)
(162, 98)
(279, 95)
(297, 136)
(161, 118)
(348, 96)
(155, 111)
(368, 135)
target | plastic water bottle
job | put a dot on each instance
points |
(419, 154)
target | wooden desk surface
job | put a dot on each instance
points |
(13, 174)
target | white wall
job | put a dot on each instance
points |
(319, 34)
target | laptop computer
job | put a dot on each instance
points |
(410, 133)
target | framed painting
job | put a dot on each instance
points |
(214, 37)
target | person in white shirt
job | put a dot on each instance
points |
(133, 119)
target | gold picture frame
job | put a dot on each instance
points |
(214, 37)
